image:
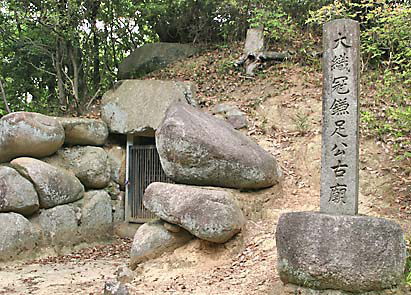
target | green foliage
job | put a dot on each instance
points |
(301, 122)
(408, 264)
(385, 34)
(61, 53)
(386, 51)
(388, 116)
(195, 21)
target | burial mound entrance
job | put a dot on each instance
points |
(143, 168)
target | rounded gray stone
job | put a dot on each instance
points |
(59, 225)
(29, 134)
(17, 194)
(54, 186)
(96, 215)
(17, 234)
(209, 214)
(197, 148)
(90, 164)
(342, 252)
(84, 131)
(117, 159)
(153, 239)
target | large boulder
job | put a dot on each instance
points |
(349, 253)
(96, 215)
(59, 225)
(138, 106)
(90, 164)
(29, 134)
(197, 148)
(153, 56)
(17, 194)
(209, 214)
(17, 235)
(84, 131)
(54, 186)
(153, 239)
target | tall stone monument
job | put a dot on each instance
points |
(337, 249)
(339, 167)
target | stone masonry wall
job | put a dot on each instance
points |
(61, 183)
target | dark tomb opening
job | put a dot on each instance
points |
(144, 167)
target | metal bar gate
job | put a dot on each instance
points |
(144, 168)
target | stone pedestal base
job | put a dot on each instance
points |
(340, 252)
(291, 289)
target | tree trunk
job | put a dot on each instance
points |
(3, 94)
(58, 66)
(94, 8)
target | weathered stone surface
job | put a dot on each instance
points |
(54, 186)
(29, 134)
(113, 189)
(339, 161)
(349, 253)
(171, 227)
(84, 131)
(291, 289)
(59, 225)
(17, 194)
(232, 114)
(153, 56)
(152, 239)
(117, 159)
(96, 215)
(115, 288)
(138, 106)
(17, 235)
(118, 211)
(90, 164)
(124, 274)
(209, 214)
(197, 148)
(254, 42)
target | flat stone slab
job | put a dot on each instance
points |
(348, 253)
(139, 106)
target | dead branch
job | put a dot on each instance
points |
(93, 98)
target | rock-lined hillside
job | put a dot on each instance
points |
(283, 107)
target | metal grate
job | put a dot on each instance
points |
(144, 168)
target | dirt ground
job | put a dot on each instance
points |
(287, 123)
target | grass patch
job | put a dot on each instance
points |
(386, 109)
(408, 263)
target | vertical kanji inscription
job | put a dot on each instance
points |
(339, 164)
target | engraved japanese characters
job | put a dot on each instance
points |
(339, 172)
